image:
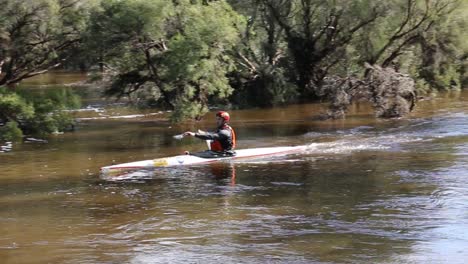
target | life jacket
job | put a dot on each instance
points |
(225, 145)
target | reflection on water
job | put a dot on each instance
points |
(55, 77)
(366, 191)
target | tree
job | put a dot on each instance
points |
(421, 37)
(444, 51)
(38, 113)
(318, 32)
(400, 27)
(36, 35)
(413, 28)
(264, 67)
(392, 93)
(175, 52)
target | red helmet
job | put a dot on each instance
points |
(224, 115)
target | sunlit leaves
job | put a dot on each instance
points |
(196, 55)
(180, 47)
(14, 108)
(37, 113)
(196, 60)
(37, 36)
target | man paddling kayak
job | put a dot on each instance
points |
(223, 140)
(222, 149)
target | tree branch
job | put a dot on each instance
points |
(248, 64)
(400, 33)
(64, 5)
(31, 74)
(278, 17)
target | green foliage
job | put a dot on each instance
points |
(178, 51)
(336, 38)
(13, 107)
(187, 55)
(37, 36)
(52, 99)
(49, 115)
(10, 132)
(444, 51)
(270, 88)
(265, 73)
(196, 58)
(186, 109)
(46, 123)
(37, 114)
(118, 29)
(423, 38)
(200, 52)
(306, 40)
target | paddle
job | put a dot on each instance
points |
(181, 136)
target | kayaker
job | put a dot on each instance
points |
(223, 140)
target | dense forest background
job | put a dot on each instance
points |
(189, 55)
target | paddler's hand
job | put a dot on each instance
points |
(188, 133)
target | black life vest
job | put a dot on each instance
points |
(225, 145)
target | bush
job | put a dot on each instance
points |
(34, 114)
(10, 132)
(392, 94)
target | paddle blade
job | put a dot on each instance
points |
(179, 137)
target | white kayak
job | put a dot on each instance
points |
(186, 160)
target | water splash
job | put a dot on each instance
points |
(7, 147)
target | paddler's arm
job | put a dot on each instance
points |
(207, 136)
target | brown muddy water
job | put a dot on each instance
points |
(366, 191)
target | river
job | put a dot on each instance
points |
(366, 190)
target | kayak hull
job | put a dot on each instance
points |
(187, 160)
